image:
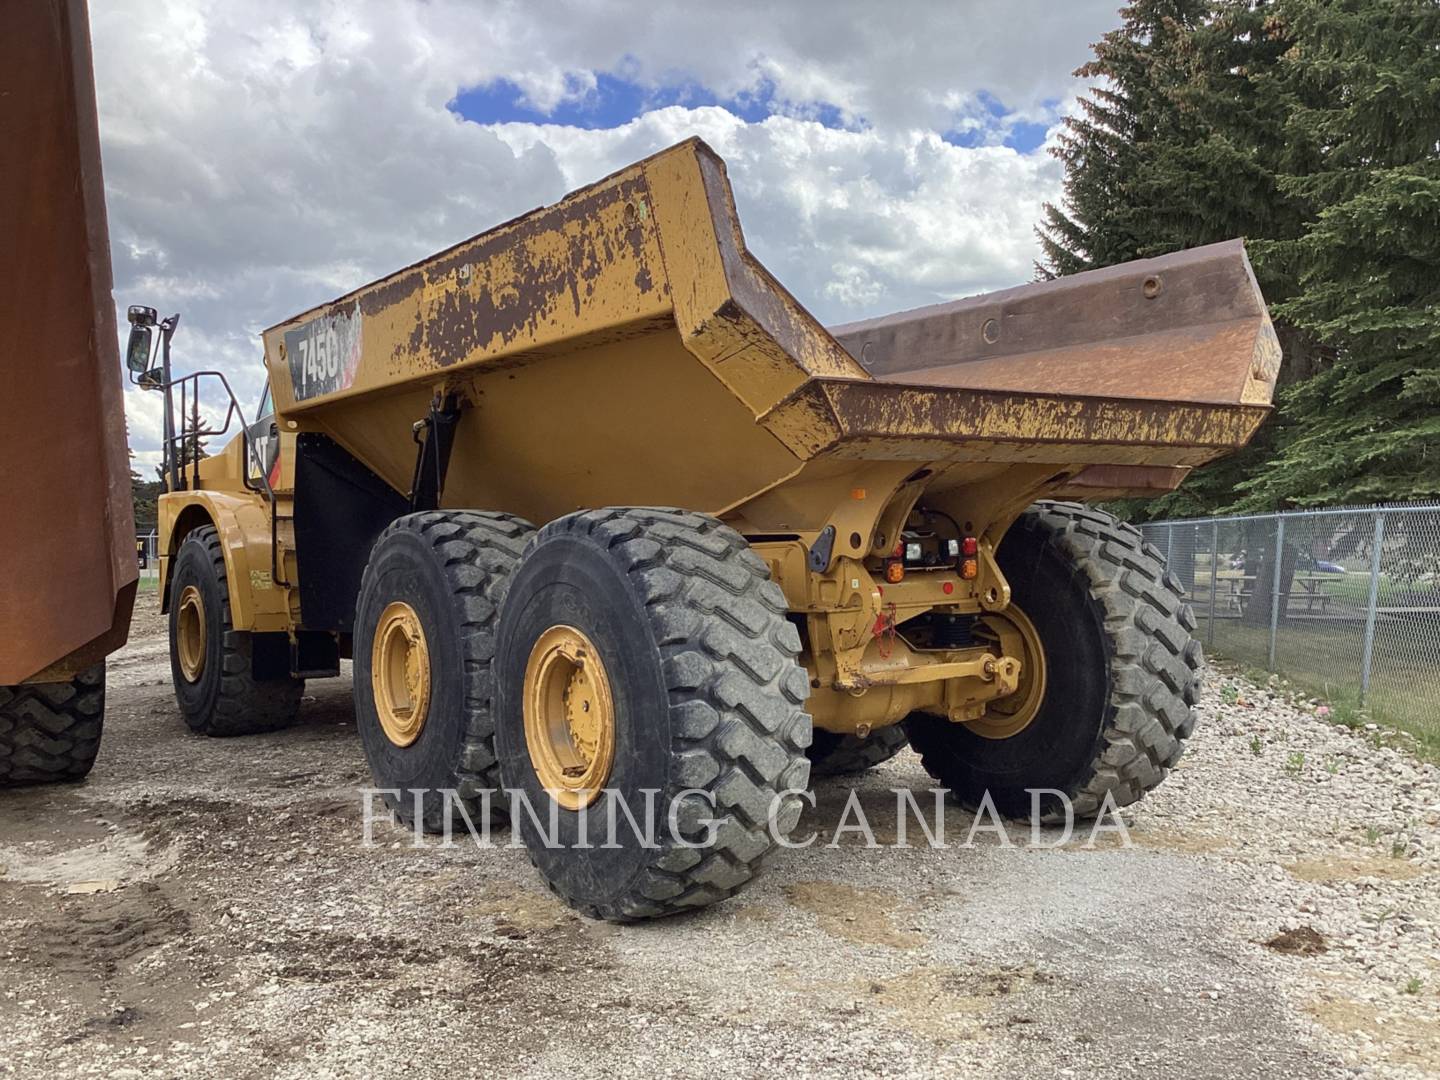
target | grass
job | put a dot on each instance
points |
(1322, 660)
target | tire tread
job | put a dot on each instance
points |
(729, 659)
(50, 732)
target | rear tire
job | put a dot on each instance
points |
(50, 732)
(223, 697)
(1122, 672)
(845, 755)
(452, 568)
(703, 704)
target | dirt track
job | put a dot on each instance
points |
(206, 907)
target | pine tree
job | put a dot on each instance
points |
(1184, 144)
(1111, 149)
(1179, 144)
(1364, 76)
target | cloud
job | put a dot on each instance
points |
(854, 222)
(259, 161)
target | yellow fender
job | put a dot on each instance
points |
(243, 522)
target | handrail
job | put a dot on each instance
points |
(190, 429)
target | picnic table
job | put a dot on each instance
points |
(1234, 587)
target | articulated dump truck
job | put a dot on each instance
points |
(68, 572)
(606, 519)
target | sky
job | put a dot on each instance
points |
(262, 156)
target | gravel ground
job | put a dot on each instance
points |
(207, 907)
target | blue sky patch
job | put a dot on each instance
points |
(992, 127)
(614, 101)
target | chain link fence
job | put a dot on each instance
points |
(147, 555)
(1344, 603)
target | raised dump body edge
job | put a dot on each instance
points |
(623, 346)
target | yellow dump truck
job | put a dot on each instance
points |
(598, 509)
(68, 573)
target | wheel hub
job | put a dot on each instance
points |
(400, 673)
(191, 633)
(569, 716)
(1017, 638)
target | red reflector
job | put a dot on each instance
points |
(969, 547)
(948, 588)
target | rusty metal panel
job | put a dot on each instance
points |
(67, 536)
(1190, 326)
(885, 419)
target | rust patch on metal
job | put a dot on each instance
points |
(1119, 481)
(826, 413)
(759, 295)
(67, 546)
(1205, 363)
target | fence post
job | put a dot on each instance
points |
(1214, 578)
(1277, 565)
(1369, 651)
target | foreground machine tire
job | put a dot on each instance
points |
(1121, 672)
(648, 650)
(845, 755)
(212, 663)
(50, 732)
(425, 626)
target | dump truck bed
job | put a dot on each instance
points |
(68, 570)
(624, 347)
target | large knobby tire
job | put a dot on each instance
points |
(50, 732)
(452, 568)
(700, 662)
(1122, 672)
(224, 697)
(844, 755)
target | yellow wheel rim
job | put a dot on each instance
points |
(400, 673)
(569, 717)
(1017, 637)
(191, 633)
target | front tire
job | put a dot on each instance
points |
(212, 663)
(50, 732)
(1122, 672)
(677, 637)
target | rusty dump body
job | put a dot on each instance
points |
(623, 348)
(67, 544)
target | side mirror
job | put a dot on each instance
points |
(137, 351)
